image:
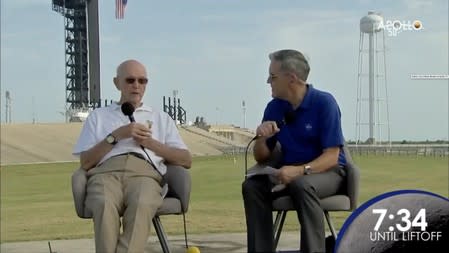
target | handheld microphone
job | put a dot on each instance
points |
(128, 110)
(289, 117)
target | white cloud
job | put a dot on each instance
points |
(418, 5)
(26, 3)
(109, 39)
(223, 53)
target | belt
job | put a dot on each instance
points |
(140, 156)
(135, 154)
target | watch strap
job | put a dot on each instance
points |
(114, 139)
(307, 170)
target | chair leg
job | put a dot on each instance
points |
(329, 222)
(277, 227)
(161, 234)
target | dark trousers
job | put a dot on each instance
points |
(305, 192)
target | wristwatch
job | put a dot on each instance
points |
(307, 170)
(111, 139)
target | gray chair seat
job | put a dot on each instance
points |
(332, 203)
(170, 206)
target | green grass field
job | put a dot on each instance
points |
(36, 200)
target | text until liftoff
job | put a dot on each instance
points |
(272, 174)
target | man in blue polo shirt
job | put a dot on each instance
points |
(306, 122)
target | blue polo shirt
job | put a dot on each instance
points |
(315, 126)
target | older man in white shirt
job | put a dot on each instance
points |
(125, 162)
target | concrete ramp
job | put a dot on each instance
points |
(237, 134)
(31, 143)
(214, 138)
(53, 142)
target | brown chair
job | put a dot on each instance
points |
(175, 202)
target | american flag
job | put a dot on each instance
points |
(120, 8)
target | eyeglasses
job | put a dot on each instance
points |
(131, 80)
(273, 76)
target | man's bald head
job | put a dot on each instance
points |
(131, 81)
(125, 68)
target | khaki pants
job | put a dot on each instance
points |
(123, 186)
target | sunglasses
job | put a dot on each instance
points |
(131, 80)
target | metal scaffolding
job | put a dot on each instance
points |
(82, 53)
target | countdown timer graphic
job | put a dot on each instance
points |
(398, 221)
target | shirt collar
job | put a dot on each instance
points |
(307, 101)
(117, 107)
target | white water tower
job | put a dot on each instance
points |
(372, 112)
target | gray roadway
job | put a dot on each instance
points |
(207, 243)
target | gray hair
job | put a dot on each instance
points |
(292, 61)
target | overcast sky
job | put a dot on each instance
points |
(215, 54)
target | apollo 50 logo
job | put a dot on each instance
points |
(394, 27)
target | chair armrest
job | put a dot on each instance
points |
(179, 184)
(353, 178)
(79, 182)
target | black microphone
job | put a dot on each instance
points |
(128, 110)
(289, 118)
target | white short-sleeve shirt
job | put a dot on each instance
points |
(104, 120)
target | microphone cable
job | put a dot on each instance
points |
(128, 110)
(246, 154)
(289, 117)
